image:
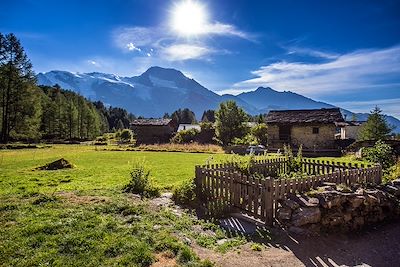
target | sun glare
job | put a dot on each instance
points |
(189, 18)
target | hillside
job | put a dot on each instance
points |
(159, 90)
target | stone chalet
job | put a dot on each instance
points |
(153, 131)
(312, 128)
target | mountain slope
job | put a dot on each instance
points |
(266, 98)
(151, 94)
(159, 90)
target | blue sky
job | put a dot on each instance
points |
(342, 52)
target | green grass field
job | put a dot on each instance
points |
(95, 170)
(81, 217)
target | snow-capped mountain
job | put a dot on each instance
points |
(156, 91)
(159, 90)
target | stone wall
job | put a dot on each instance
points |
(325, 138)
(303, 135)
(339, 208)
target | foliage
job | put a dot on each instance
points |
(248, 139)
(185, 194)
(392, 173)
(230, 122)
(141, 182)
(294, 164)
(126, 135)
(208, 116)
(184, 116)
(381, 153)
(260, 132)
(185, 136)
(376, 127)
(19, 104)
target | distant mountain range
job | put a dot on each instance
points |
(159, 90)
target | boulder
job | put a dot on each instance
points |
(284, 213)
(306, 215)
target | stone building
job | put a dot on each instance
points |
(153, 131)
(312, 128)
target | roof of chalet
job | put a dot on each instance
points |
(324, 115)
(349, 123)
(151, 122)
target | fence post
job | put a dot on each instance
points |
(269, 211)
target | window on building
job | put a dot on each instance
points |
(315, 130)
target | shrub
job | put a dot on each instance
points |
(260, 132)
(126, 135)
(380, 153)
(248, 139)
(185, 136)
(185, 193)
(141, 183)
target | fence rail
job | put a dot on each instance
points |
(222, 188)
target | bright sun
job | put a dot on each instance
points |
(189, 18)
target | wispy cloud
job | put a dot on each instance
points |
(185, 51)
(164, 43)
(311, 52)
(348, 72)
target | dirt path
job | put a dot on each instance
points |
(379, 246)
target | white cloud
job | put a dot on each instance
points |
(311, 52)
(93, 63)
(179, 52)
(132, 47)
(226, 29)
(353, 71)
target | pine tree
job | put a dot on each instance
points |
(376, 127)
(19, 106)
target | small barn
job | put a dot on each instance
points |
(312, 128)
(153, 131)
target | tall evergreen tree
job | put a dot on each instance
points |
(376, 127)
(20, 107)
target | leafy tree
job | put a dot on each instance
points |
(230, 122)
(260, 132)
(184, 116)
(376, 127)
(20, 109)
(381, 153)
(208, 116)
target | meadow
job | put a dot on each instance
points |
(95, 170)
(81, 217)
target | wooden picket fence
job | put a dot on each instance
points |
(222, 189)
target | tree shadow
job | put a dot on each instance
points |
(374, 246)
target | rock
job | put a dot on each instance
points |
(313, 202)
(347, 217)
(57, 165)
(306, 215)
(186, 240)
(222, 241)
(290, 203)
(284, 213)
(357, 201)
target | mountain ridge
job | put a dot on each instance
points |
(159, 90)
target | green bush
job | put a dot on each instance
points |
(141, 183)
(185, 136)
(185, 194)
(381, 153)
(126, 135)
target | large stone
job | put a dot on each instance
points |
(357, 201)
(290, 204)
(284, 213)
(306, 215)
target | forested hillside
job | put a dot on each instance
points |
(29, 112)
